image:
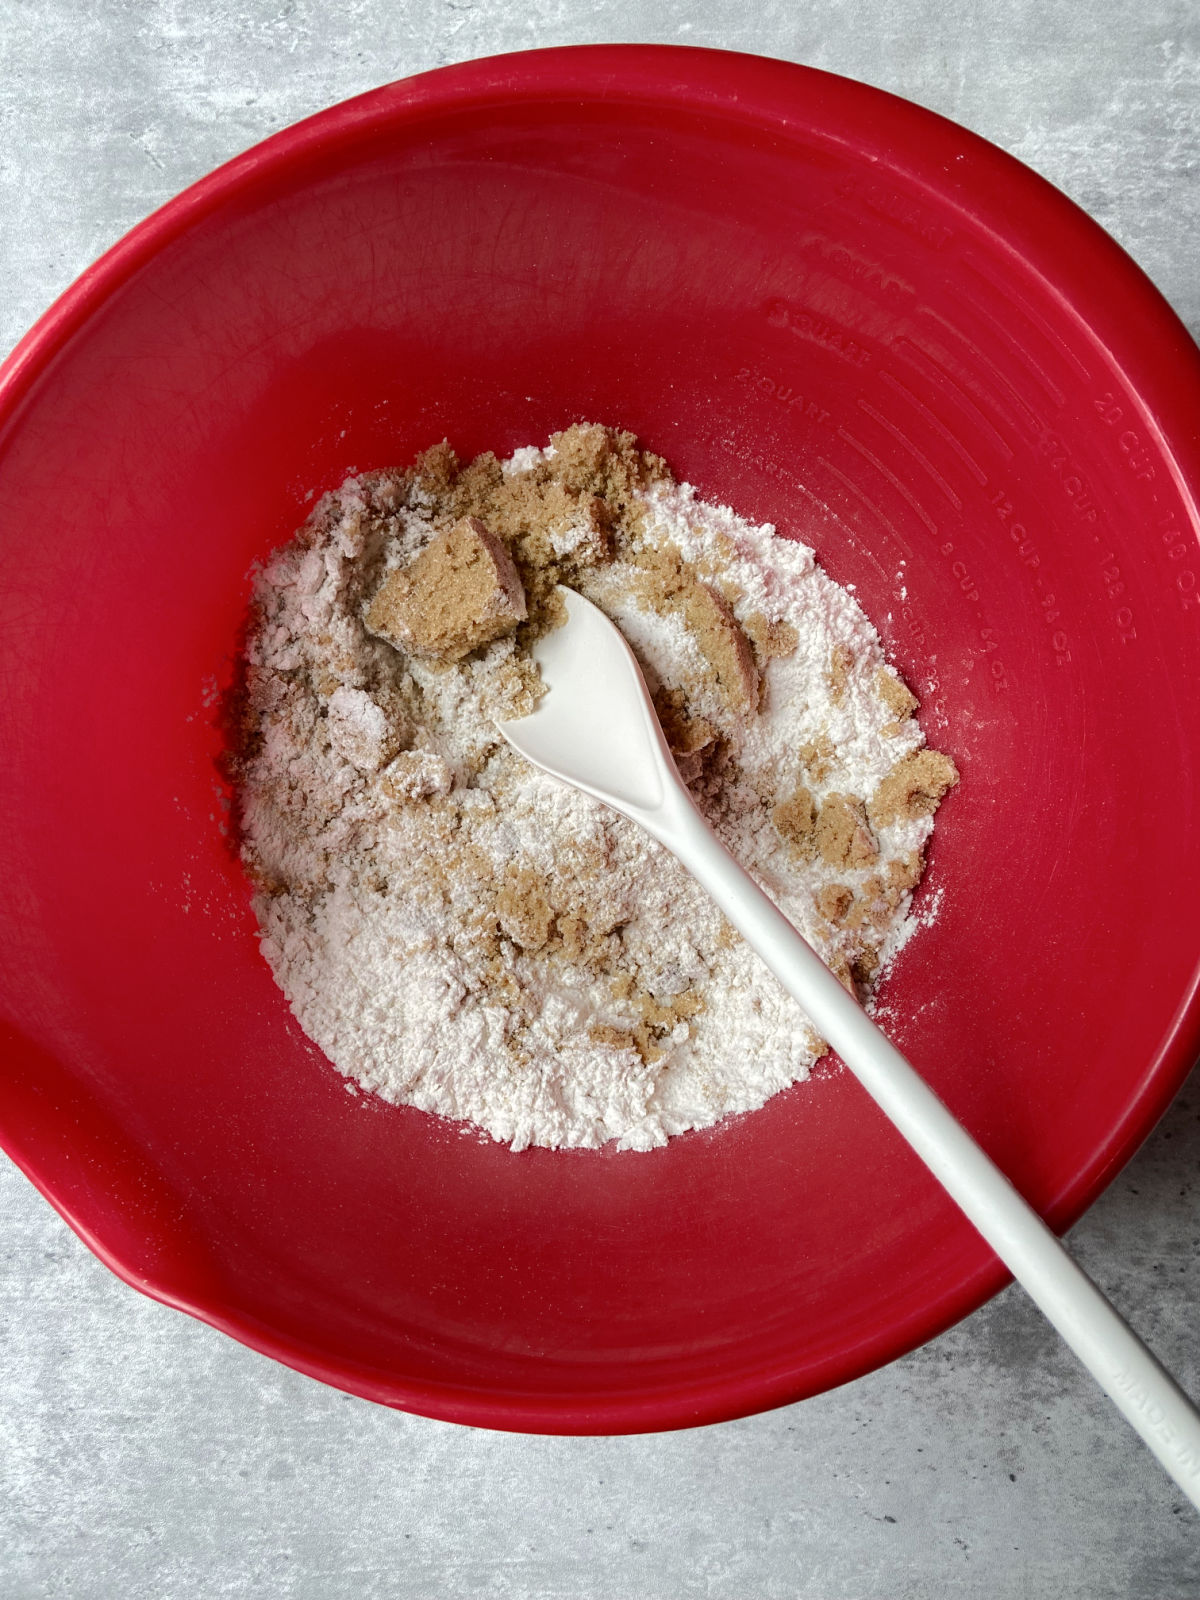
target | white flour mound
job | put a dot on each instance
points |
(378, 822)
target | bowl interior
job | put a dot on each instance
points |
(827, 309)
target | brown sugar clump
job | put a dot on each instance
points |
(842, 836)
(841, 661)
(436, 470)
(865, 964)
(560, 518)
(669, 584)
(840, 967)
(913, 788)
(605, 462)
(905, 874)
(726, 648)
(657, 1020)
(771, 640)
(361, 731)
(895, 694)
(461, 592)
(875, 907)
(615, 1038)
(575, 935)
(416, 775)
(523, 910)
(817, 757)
(834, 901)
(692, 739)
(796, 820)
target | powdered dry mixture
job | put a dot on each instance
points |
(459, 932)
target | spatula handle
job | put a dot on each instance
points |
(1138, 1386)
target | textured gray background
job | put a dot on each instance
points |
(144, 1455)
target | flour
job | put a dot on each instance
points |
(461, 933)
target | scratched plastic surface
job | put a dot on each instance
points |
(826, 307)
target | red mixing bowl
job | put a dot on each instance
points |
(826, 307)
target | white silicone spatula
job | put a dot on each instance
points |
(596, 728)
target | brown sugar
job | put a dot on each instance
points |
(657, 1023)
(591, 460)
(523, 910)
(796, 820)
(834, 901)
(874, 907)
(461, 592)
(895, 694)
(416, 775)
(864, 964)
(817, 757)
(660, 1020)
(563, 516)
(668, 583)
(904, 874)
(860, 920)
(560, 520)
(692, 739)
(771, 640)
(839, 965)
(548, 928)
(615, 1038)
(842, 836)
(841, 662)
(726, 647)
(913, 788)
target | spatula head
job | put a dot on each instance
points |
(595, 727)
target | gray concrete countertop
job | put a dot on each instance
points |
(143, 1455)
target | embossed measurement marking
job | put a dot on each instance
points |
(1133, 447)
(901, 209)
(885, 472)
(999, 281)
(988, 642)
(1029, 556)
(1073, 483)
(907, 611)
(880, 516)
(1114, 588)
(979, 362)
(1022, 353)
(937, 425)
(816, 329)
(1176, 531)
(854, 267)
(1180, 543)
(919, 456)
(936, 374)
(784, 393)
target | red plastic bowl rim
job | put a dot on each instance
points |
(1060, 240)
